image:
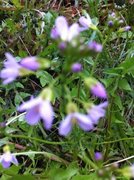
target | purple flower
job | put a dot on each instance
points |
(98, 90)
(85, 22)
(110, 23)
(97, 111)
(76, 67)
(63, 30)
(95, 46)
(11, 70)
(7, 158)
(83, 121)
(62, 45)
(30, 63)
(98, 156)
(36, 109)
(54, 33)
(127, 28)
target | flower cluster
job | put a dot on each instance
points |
(115, 22)
(69, 35)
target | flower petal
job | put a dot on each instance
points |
(62, 27)
(54, 33)
(99, 90)
(29, 104)
(73, 31)
(8, 73)
(30, 63)
(96, 112)
(84, 121)
(11, 61)
(5, 164)
(14, 160)
(33, 116)
(47, 114)
(103, 105)
(85, 22)
(65, 125)
(8, 80)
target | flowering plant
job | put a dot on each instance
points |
(65, 90)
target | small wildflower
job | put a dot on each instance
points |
(127, 28)
(97, 111)
(30, 63)
(63, 31)
(110, 23)
(36, 109)
(7, 158)
(11, 70)
(62, 45)
(54, 33)
(86, 23)
(95, 46)
(98, 156)
(98, 90)
(83, 121)
(76, 67)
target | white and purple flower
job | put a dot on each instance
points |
(82, 120)
(97, 111)
(11, 70)
(7, 158)
(37, 109)
(63, 31)
(86, 23)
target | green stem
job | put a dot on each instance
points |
(36, 139)
(97, 57)
(117, 140)
(46, 154)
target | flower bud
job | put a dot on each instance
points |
(76, 67)
(47, 94)
(98, 156)
(71, 108)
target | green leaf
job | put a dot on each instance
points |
(128, 65)
(63, 174)
(45, 78)
(123, 84)
(118, 102)
(16, 3)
